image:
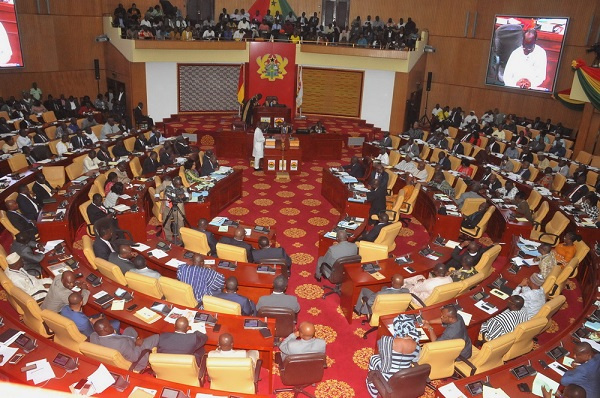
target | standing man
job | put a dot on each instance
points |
(258, 150)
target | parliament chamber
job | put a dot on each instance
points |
(323, 238)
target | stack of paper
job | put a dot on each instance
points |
(141, 247)
(140, 392)
(175, 263)
(451, 391)
(121, 207)
(41, 373)
(157, 253)
(177, 313)
(147, 315)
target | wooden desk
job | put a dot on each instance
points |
(271, 112)
(252, 239)
(250, 283)
(326, 146)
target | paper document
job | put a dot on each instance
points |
(51, 244)
(542, 380)
(41, 373)
(101, 379)
(452, 244)
(451, 391)
(466, 317)
(7, 353)
(175, 263)
(99, 294)
(491, 392)
(197, 327)
(117, 305)
(486, 307)
(141, 247)
(157, 253)
(121, 207)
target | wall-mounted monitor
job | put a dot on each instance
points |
(525, 52)
(11, 55)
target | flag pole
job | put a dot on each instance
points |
(244, 85)
(300, 116)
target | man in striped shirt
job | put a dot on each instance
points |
(506, 321)
(202, 277)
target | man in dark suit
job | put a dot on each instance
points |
(181, 147)
(443, 161)
(140, 143)
(181, 342)
(473, 219)
(140, 117)
(379, 174)
(238, 240)
(18, 220)
(355, 169)
(79, 140)
(384, 221)
(376, 196)
(493, 146)
(102, 245)
(103, 154)
(29, 208)
(154, 138)
(96, 211)
(41, 189)
(524, 173)
(231, 287)
(166, 156)
(150, 163)
(579, 191)
(40, 137)
(209, 163)
(386, 141)
(210, 237)
(466, 248)
(122, 257)
(266, 251)
(126, 343)
(120, 150)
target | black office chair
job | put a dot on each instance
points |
(337, 273)
(407, 383)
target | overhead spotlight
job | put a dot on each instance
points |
(429, 49)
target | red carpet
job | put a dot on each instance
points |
(299, 213)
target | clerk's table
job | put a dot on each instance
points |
(283, 154)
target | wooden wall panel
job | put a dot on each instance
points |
(132, 74)
(73, 82)
(308, 6)
(332, 92)
(60, 7)
(108, 6)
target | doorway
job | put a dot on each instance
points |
(335, 11)
(199, 10)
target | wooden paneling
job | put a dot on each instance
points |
(132, 74)
(108, 6)
(299, 6)
(60, 7)
(332, 92)
(73, 82)
(404, 85)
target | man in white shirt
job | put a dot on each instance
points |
(238, 35)
(421, 173)
(383, 157)
(533, 294)
(110, 127)
(141, 268)
(90, 135)
(243, 24)
(468, 118)
(436, 109)
(258, 148)
(526, 66)
(23, 139)
(225, 350)
(422, 288)
(90, 162)
(209, 34)
(508, 191)
(36, 288)
(406, 164)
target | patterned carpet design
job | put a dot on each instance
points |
(299, 213)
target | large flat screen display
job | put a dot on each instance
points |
(525, 52)
(10, 42)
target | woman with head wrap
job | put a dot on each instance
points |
(397, 352)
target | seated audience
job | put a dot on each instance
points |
(506, 321)
(473, 219)
(18, 220)
(278, 298)
(547, 261)
(25, 245)
(472, 192)
(141, 268)
(29, 208)
(355, 168)
(508, 192)
(181, 342)
(61, 289)
(129, 344)
(123, 257)
(230, 293)
(36, 288)
(466, 269)
(74, 311)
(209, 163)
(91, 162)
(112, 197)
(422, 288)
(121, 172)
(111, 179)
(522, 209)
(454, 328)
(367, 296)
(373, 233)
(396, 352)
(533, 294)
(576, 194)
(225, 350)
(238, 240)
(302, 341)
(342, 249)
(439, 182)
(266, 251)
(210, 237)
(585, 370)
(203, 278)
(151, 163)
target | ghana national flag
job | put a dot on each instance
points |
(274, 5)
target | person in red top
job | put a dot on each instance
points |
(465, 168)
(474, 139)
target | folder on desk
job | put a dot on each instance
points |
(147, 315)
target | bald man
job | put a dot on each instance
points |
(586, 371)
(141, 268)
(238, 240)
(230, 293)
(61, 289)
(302, 341)
(182, 342)
(74, 311)
(123, 257)
(132, 347)
(342, 249)
(367, 296)
(266, 251)
(225, 350)
(466, 248)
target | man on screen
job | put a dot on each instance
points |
(526, 67)
(5, 50)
